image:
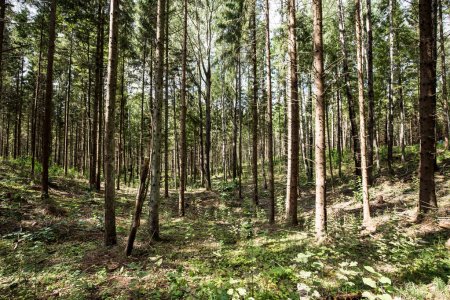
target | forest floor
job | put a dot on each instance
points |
(221, 249)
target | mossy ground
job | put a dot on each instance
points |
(223, 248)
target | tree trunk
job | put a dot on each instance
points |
(427, 108)
(109, 155)
(166, 109)
(47, 122)
(444, 80)
(67, 109)
(157, 126)
(140, 198)
(254, 104)
(320, 158)
(370, 91)
(269, 120)
(362, 118)
(293, 121)
(390, 110)
(348, 92)
(100, 135)
(183, 152)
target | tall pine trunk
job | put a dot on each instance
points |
(427, 108)
(254, 104)
(47, 122)
(320, 158)
(109, 155)
(157, 126)
(293, 121)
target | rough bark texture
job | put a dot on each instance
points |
(155, 167)
(293, 121)
(362, 118)
(109, 155)
(320, 159)
(47, 122)
(427, 108)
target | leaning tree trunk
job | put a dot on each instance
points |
(362, 119)
(427, 108)
(155, 167)
(109, 155)
(47, 122)
(293, 122)
(320, 158)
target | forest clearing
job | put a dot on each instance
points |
(224, 149)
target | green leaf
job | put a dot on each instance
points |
(384, 297)
(370, 269)
(370, 282)
(385, 280)
(368, 295)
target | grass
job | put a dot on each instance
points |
(222, 249)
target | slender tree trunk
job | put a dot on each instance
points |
(67, 109)
(293, 121)
(254, 104)
(269, 120)
(348, 92)
(166, 109)
(183, 154)
(320, 158)
(157, 126)
(100, 144)
(390, 112)
(142, 129)
(120, 149)
(427, 108)
(362, 119)
(47, 122)
(370, 91)
(339, 131)
(110, 217)
(444, 80)
(402, 113)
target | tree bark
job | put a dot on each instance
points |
(293, 121)
(444, 80)
(254, 104)
(362, 118)
(390, 110)
(183, 152)
(109, 155)
(47, 122)
(427, 108)
(320, 158)
(67, 109)
(271, 185)
(370, 92)
(157, 126)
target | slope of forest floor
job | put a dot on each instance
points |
(223, 248)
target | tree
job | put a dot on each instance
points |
(254, 105)
(362, 118)
(370, 91)
(47, 122)
(320, 159)
(183, 151)
(444, 79)
(110, 218)
(269, 120)
(293, 121)
(390, 108)
(427, 108)
(155, 167)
